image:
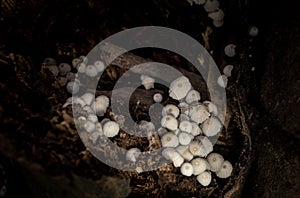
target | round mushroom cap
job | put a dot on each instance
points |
(211, 127)
(184, 108)
(70, 76)
(211, 107)
(199, 165)
(229, 50)
(132, 154)
(186, 126)
(111, 129)
(81, 67)
(169, 140)
(62, 81)
(73, 87)
(253, 31)
(217, 15)
(101, 104)
(206, 146)
(146, 126)
(194, 148)
(170, 110)
(227, 70)
(99, 65)
(222, 81)
(218, 23)
(211, 5)
(204, 178)
(89, 126)
(87, 98)
(196, 130)
(169, 122)
(157, 97)
(64, 68)
(187, 169)
(215, 161)
(75, 62)
(91, 71)
(192, 96)
(53, 69)
(199, 113)
(225, 170)
(185, 138)
(179, 88)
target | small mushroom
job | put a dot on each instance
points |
(70, 76)
(170, 110)
(62, 81)
(101, 104)
(171, 154)
(147, 82)
(199, 113)
(111, 129)
(169, 140)
(225, 170)
(194, 148)
(146, 126)
(227, 70)
(53, 69)
(64, 68)
(81, 68)
(99, 65)
(253, 31)
(132, 154)
(179, 88)
(87, 98)
(211, 5)
(157, 97)
(184, 152)
(91, 71)
(89, 126)
(229, 50)
(222, 81)
(169, 122)
(199, 165)
(92, 117)
(183, 117)
(204, 178)
(187, 169)
(211, 127)
(186, 126)
(196, 130)
(206, 146)
(215, 161)
(217, 15)
(76, 62)
(184, 108)
(211, 107)
(161, 131)
(218, 23)
(73, 87)
(185, 138)
(192, 96)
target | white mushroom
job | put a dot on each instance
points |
(169, 140)
(64, 68)
(187, 169)
(87, 109)
(185, 138)
(186, 126)
(76, 62)
(218, 23)
(184, 108)
(204, 178)
(147, 82)
(132, 154)
(222, 81)
(157, 97)
(99, 65)
(146, 126)
(171, 154)
(253, 31)
(169, 122)
(211, 107)
(87, 98)
(89, 126)
(70, 76)
(93, 118)
(83, 59)
(211, 5)
(215, 161)
(73, 87)
(206, 146)
(199, 165)
(179, 88)
(194, 148)
(211, 127)
(184, 152)
(229, 50)
(192, 96)
(195, 129)
(227, 70)
(199, 113)
(170, 110)
(111, 129)
(81, 67)
(101, 104)
(217, 15)
(183, 117)
(91, 71)
(161, 131)
(225, 170)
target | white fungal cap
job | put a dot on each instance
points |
(92, 117)
(211, 5)
(103, 121)
(227, 70)
(218, 23)
(229, 50)
(184, 152)
(186, 126)
(194, 148)
(253, 31)
(76, 62)
(77, 100)
(87, 98)
(91, 71)
(73, 87)
(204, 178)
(215, 161)
(53, 69)
(211, 107)
(62, 81)
(64, 68)
(179, 88)
(157, 97)
(99, 65)
(147, 82)
(169, 122)
(132, 154)
(89, 126)
(184, 108)
(183, 117)
(195, 129)
(171, 154)
(217, 15)
(169, 140)
(222, 81)
(199, 165)
(225, 170)
(81, 68)
(199, 113)
(146, 126)
(192, 96)
(111, 129)
(185, 138)
(70, 76)
(206, 146)
(187, 169)
(101, 104)
(211, 127)
(170, 110)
